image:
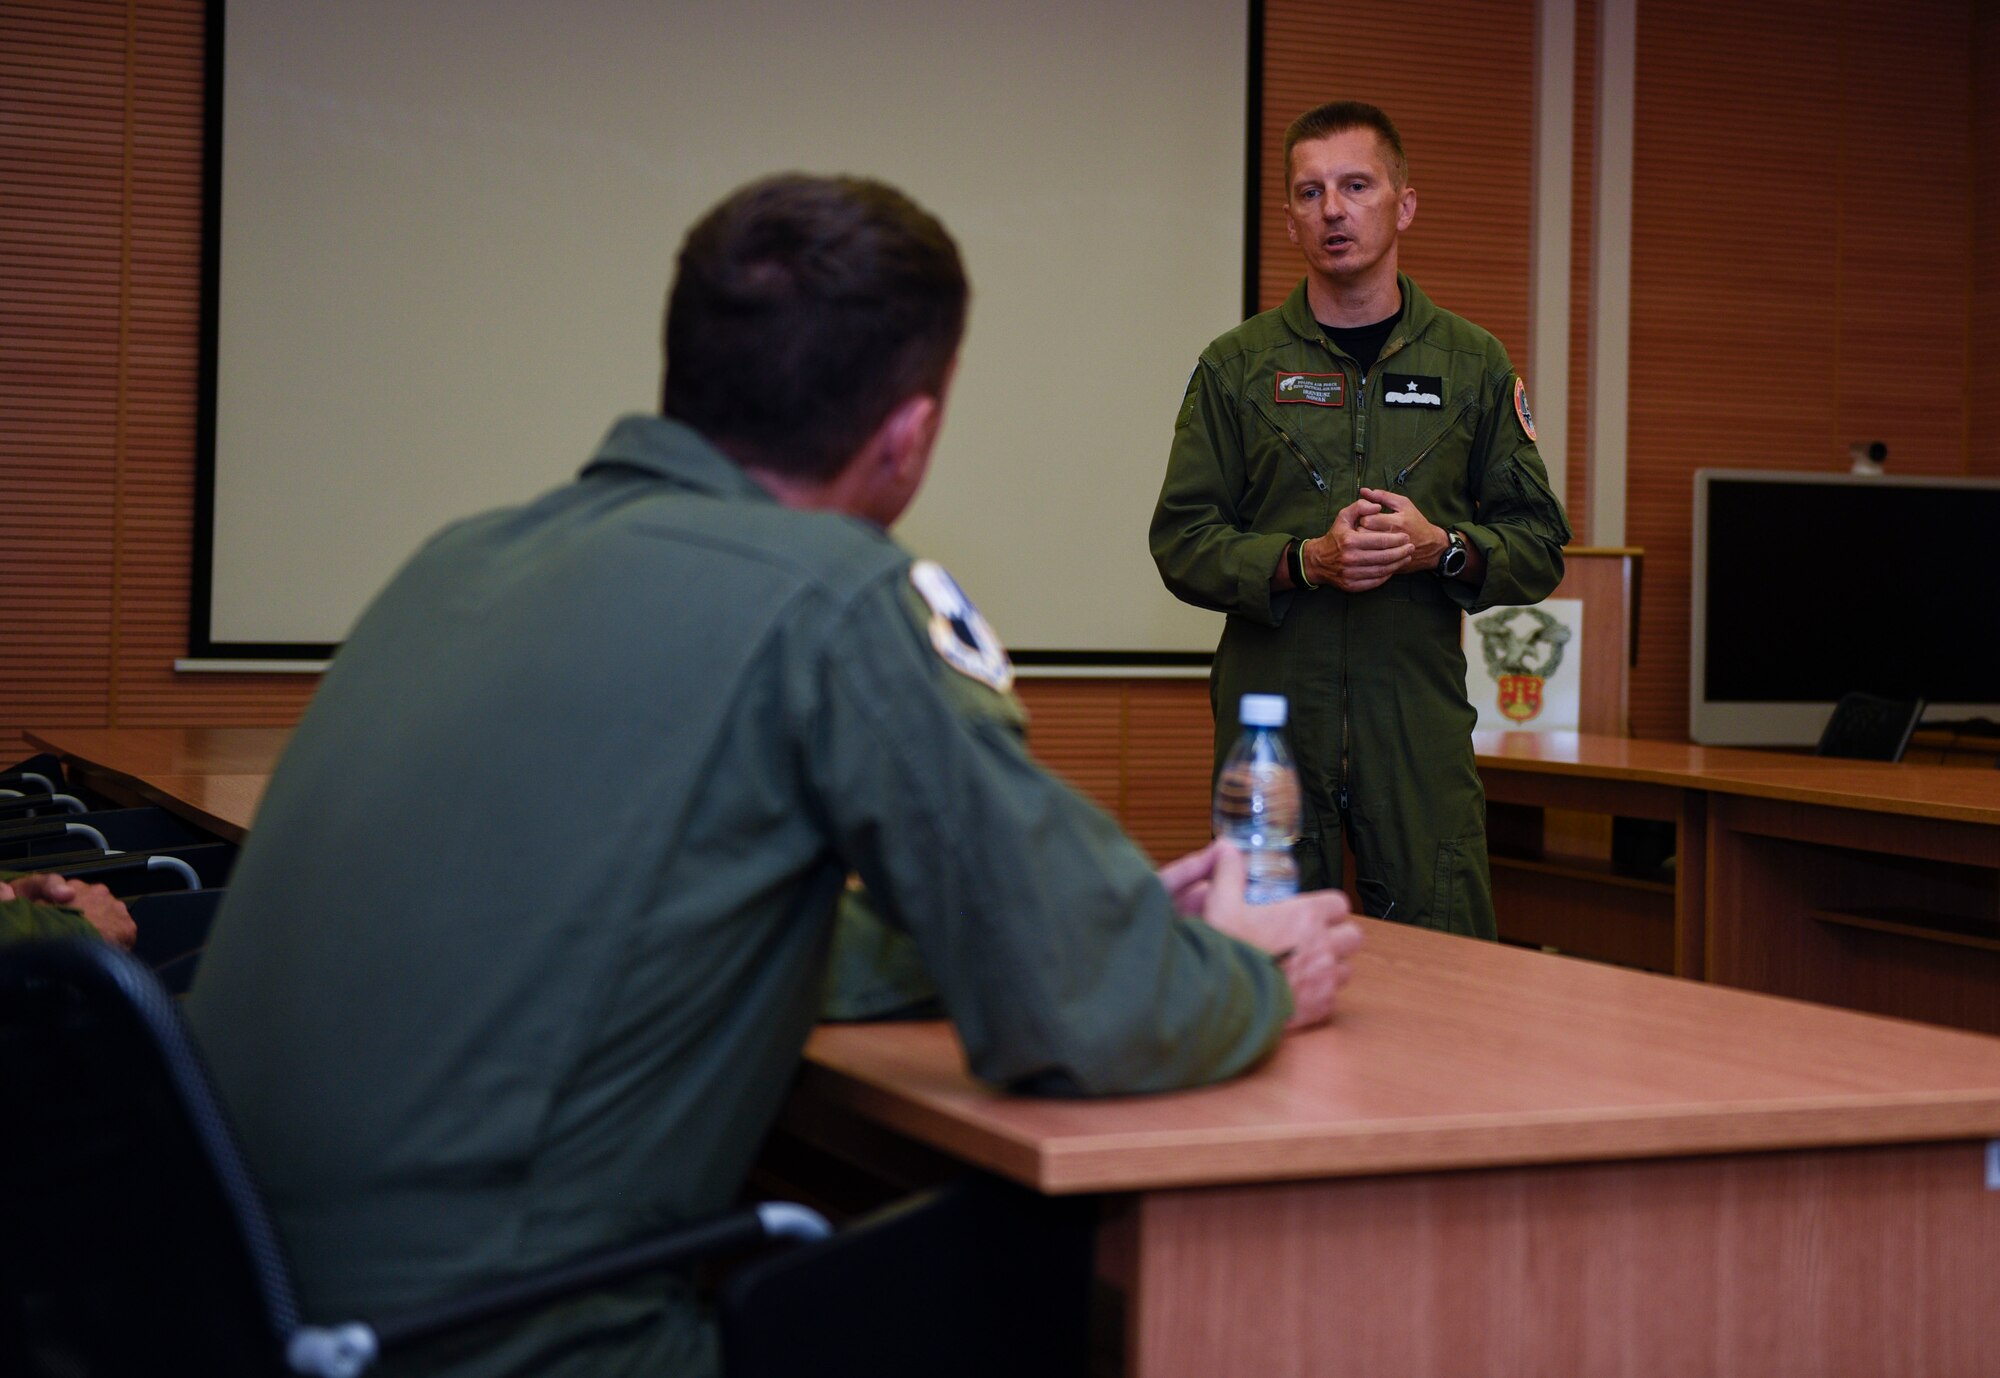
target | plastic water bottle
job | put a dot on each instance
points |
(1257, 800)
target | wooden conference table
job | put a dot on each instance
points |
(1857, 883)
(1494, 1162)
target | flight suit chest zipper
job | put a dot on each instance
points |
(1293, 445)
(1403, 474)
(1360, 433)
(1298, 450)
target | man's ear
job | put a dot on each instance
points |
(906, 436)
(882, 479)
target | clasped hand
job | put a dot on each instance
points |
(1309, 934)
(1378, 535)
(104, 910)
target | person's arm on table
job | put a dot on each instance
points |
(1055, 947)
(1311, 938)
(95, 904)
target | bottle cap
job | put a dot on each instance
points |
(1262, 710)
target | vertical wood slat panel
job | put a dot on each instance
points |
(1903, 277)
(62, 123)
(1170, 760)
(1983, 400)
(1461, 90)
(1719, 120)
(1771, 308)
(1582, 243)
(1139, 748)
(97, 521)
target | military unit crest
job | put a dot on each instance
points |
(1523, 649)
(962, 638)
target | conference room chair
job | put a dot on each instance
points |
(124, 830)
(1869, 727)
(135, 1240)
(37, 804)
(173, 931)
(39, 774)
(202, 865)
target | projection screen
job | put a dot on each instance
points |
(445, 232)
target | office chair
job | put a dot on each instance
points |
(1867, 727)
(127, 830)
(978, 1279)
(134, 1240)
(173, 932)
(42, 774)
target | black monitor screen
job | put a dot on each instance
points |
(1818, 589)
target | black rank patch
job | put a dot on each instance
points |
(1412, 390)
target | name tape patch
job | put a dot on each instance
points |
(1313, 389)
(1412, 390)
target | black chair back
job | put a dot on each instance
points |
(133, 1240)
(979, 1279)
(40, 774)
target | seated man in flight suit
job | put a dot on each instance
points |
(523, 949)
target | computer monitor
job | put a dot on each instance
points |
(1807, 586)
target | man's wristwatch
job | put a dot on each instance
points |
(1453, 560)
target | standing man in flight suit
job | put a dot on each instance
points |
(471, 1025)
(1349, 474)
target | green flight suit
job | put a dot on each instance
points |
(1280, 430)
(24, 920)
(521, 954)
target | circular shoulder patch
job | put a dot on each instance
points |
(1521, 406)
(960, 636)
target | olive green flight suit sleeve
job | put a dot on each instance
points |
(1055, 949)
(1198, 539)
(873, 969)
(1521, 528)
(24, 920)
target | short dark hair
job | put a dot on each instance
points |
(803, 310)
(1338, 115)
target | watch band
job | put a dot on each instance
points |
(1297, 552)
(1453, 560)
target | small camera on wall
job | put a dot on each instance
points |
(1867, 457)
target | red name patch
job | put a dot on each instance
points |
(1313, 389)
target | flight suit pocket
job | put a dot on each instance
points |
(1428, 458)
(1378, 903)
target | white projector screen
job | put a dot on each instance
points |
(446, 231)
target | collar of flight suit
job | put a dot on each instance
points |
(1418, 313)
(669, 450)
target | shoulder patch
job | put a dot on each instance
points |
(1521, 406)
(961, 637)
(1190, 399)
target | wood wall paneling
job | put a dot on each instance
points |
(1800, 265)
(1905, 214)
(1140, 749)
(1802, 255)
(1462, 94)
(1583, 184)
(100, 269)
(1983, 163)
(61, 163)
